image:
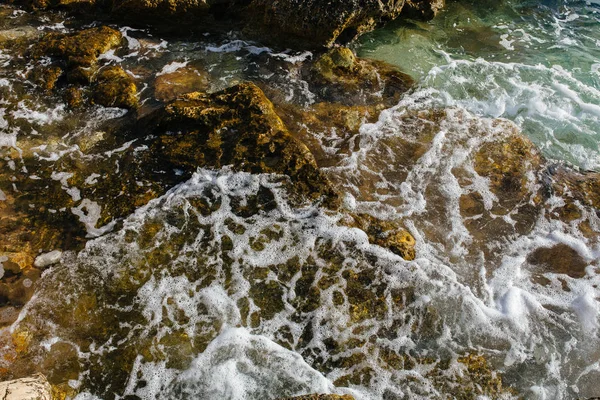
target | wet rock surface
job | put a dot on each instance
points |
(338, 76)
(69, 64)
(213, 238)
(183, 239)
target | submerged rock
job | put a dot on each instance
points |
(559, 259)
(76, 196)
(171, 85)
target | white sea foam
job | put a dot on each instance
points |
(172, 67)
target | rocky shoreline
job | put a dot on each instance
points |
(251, 127)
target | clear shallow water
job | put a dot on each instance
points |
(178, 288)
(536, 63)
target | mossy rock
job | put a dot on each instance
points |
(338, 76)
(114, 87)
(238, 127)
(80, 49)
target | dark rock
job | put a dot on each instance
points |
(188, 9)
(297, 23)
(315, 23)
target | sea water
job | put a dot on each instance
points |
(179, 287)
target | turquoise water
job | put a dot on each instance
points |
(534, 62)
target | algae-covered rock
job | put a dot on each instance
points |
(46, 76)
(238, 127)
(78, 50)
(509, 164)
(339, 76)
(74, 65)
(473, 378)
(114, 87)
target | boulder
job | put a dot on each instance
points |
(78, 52)
(113, 87)
(339, 76)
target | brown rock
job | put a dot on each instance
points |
(315, 23)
